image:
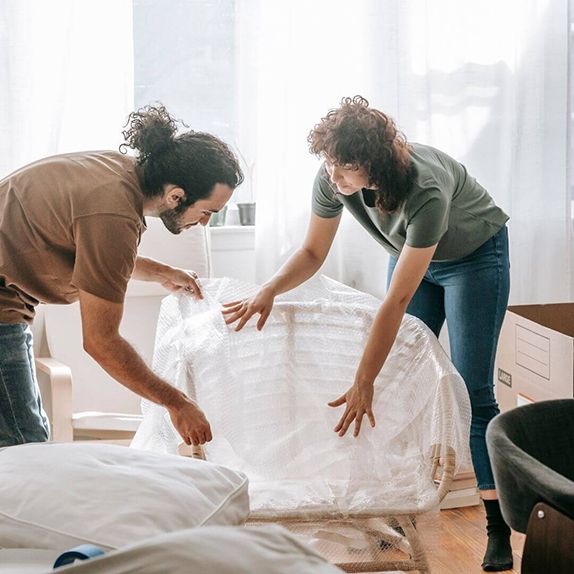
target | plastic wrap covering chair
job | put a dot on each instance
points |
(265, 394)
(532, 454)
(81, 399)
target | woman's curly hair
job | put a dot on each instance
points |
(194, 161)
(357, 135)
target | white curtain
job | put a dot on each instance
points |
(66, 82)
(484, 81)
(66, 77)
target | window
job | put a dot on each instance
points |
(185, 58)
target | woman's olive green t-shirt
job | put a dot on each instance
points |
(445, 206)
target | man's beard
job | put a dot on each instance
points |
(170, 218)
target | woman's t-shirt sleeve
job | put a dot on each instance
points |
(325, 202)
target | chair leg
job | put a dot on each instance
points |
(418, 552)
(549, 545)
(191, 451)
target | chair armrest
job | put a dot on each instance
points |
(447, 469)
(60, 381)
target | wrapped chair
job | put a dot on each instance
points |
(266, 393)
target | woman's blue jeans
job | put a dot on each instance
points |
(22, 418)
(471, 294)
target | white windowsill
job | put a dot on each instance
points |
(225, 229)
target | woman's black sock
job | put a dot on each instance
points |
(498, 554)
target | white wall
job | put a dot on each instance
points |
(233, 252)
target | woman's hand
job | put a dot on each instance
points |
(359, 401)
(177, 280)
(242, 311)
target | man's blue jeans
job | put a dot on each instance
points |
(472, 294)
(22, 418)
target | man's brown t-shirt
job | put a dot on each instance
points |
(67, 223)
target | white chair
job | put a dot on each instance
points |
(81, 399)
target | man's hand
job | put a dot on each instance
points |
(172, 278)
(190, 423)
(177, 280)
(359, 400)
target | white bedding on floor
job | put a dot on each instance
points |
(57, 496)
(26, 560)
(209, 550)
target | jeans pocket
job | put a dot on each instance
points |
(22, 418)
(15, 339)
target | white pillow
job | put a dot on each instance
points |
(27, 560)
(212, 550)
(60, 495)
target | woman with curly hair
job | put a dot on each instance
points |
(448, 244)
(69, 230)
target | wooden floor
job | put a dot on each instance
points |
(456, 545)
(454, 542)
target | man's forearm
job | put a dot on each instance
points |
(120, 360)
(146, 269)
(297, 269)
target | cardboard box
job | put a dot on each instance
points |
(535, 359)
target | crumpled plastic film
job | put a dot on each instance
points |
(266, 393)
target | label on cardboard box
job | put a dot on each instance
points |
(505, 377)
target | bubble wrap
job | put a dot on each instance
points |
(266, 393)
